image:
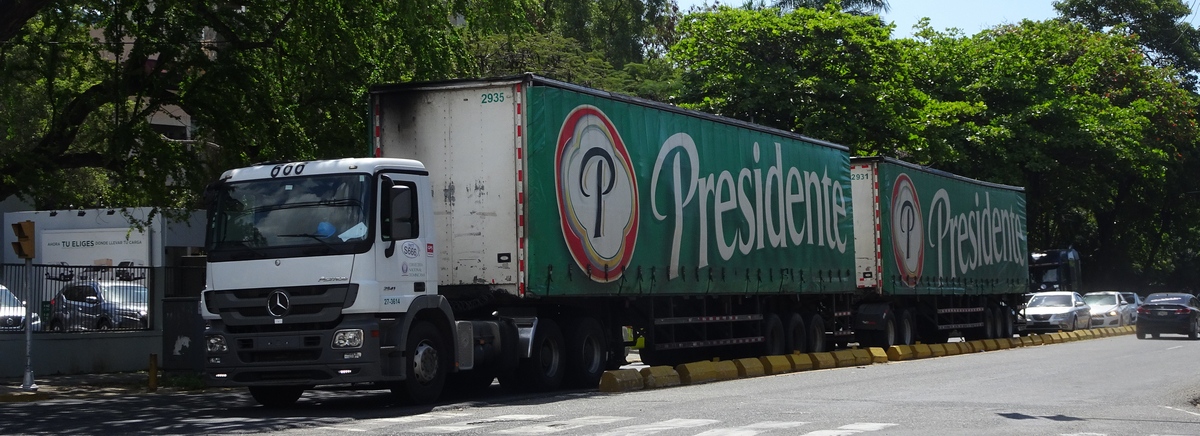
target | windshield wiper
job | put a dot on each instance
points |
(345, 202)
(317, 238)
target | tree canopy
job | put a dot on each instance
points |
(1094, 112)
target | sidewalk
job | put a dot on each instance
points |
(79, 386)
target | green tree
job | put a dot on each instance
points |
(821, 73)
(265, 81)
(625, 31)
(857, 7)
(1166, 38)
(1103, 142)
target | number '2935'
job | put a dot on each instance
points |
(492, 97)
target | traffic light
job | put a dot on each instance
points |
(24, 246)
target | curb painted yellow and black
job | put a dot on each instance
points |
(625, 380)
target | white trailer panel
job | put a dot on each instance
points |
(467, 137)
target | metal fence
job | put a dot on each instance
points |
(73, 298)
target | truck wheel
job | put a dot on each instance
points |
(989, 324)
(816, 333)
(276, 396)
(1006, 322)
(587, 354)
(543, 370)
(774, 336)
(429, 359)
(905, 329)
(797, 338)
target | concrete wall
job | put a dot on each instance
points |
(79, 353)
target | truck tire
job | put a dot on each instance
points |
(429, 360)
(816, 333)
(797, 336)
(990, 330)
(276, 396)
(587, 354)
(1005, 323)
(544, 369)
(905, 328)
(774, 336)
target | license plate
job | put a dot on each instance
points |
(1163, 313)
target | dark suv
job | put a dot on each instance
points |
(99, 305)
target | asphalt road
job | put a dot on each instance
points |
(1110, 386)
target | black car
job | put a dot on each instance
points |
(99, 305)
(1169, 313)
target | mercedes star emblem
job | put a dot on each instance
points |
(278, 303)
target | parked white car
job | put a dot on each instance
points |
(1110, 309)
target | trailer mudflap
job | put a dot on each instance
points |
(872, 316)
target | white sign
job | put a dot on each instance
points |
(97, 247)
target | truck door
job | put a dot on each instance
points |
(405, 241)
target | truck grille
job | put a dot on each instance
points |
(311, 308)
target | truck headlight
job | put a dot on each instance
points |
(349, 338)
(216, 344)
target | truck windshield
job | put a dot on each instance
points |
(326, 212)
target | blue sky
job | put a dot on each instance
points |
(970, 16)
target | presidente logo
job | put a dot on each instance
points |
(597, 194)
(908, 230)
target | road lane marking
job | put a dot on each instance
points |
(1175, 347)
(476, 424)
(851, 429)
(753, 429)
(570, 424)
(424, 417)
(1184, 411)
(649, 429)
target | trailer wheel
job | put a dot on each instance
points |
(429, 359)
(774, 336)
(905, 329)
(587, 354)
(276, 396)
(797, 337)
(1006, 322)
(989, 324)
(544, 369)
(816, 333)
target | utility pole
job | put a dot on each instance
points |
(26, 249)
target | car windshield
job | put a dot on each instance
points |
(1101, 300)
(294, 211)
(1050, 301)
(125, 294)
(7, 299)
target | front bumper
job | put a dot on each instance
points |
(1106, 320)
(1047, 326)
(298, 357)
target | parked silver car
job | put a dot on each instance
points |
(1110, 309)
(1057, 310)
